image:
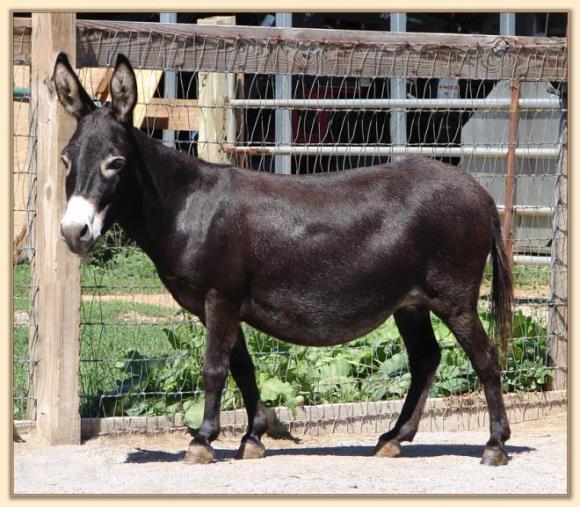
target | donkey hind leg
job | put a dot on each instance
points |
(482, 353)
(222, 325)
(243, 371)
(414, 324)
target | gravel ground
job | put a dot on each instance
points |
(435, 463)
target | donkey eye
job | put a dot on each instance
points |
(116, 164)
(66, 162)
(112, 166)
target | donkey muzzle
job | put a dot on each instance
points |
(78, 236)
(81, 225)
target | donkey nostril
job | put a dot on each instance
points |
(84, 231)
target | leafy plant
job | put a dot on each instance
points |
(113, 242)
(372, 367)
(161, 385)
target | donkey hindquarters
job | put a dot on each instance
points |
(443, 230)
(454, 291)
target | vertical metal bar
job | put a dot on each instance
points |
(231, 120)
(283, 124)
(398, 90)
(507, 23)
(170, 87)
(510, 170)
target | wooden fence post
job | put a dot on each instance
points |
(558, 315)
(510, 172)
(57, 270)
(212, 90)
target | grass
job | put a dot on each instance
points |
(526, 277)
(129, 271)
(106, 331)
(21, 287)
(109, 331)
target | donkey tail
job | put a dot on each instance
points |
(501, 288)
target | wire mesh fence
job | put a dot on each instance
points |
(24, 289)
(281, 102)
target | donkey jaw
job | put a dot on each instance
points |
(81, 249)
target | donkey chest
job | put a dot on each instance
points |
(188, 291)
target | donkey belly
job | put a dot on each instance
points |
(320, 321)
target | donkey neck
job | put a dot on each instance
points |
(164, 179)
(161, 172)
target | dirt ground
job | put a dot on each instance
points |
(435, 463)
(160, 299)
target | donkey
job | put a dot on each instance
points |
(312, 260)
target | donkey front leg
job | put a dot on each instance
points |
(222, 320)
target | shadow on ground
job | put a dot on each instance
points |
(408, 451)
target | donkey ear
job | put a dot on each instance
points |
(123, 90)
(69, 89)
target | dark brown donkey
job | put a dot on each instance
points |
(312, 260)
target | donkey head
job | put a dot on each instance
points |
(98, 155)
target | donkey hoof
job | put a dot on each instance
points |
(199, 454)
(493, 456)
(251, 449)
(388, 449)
